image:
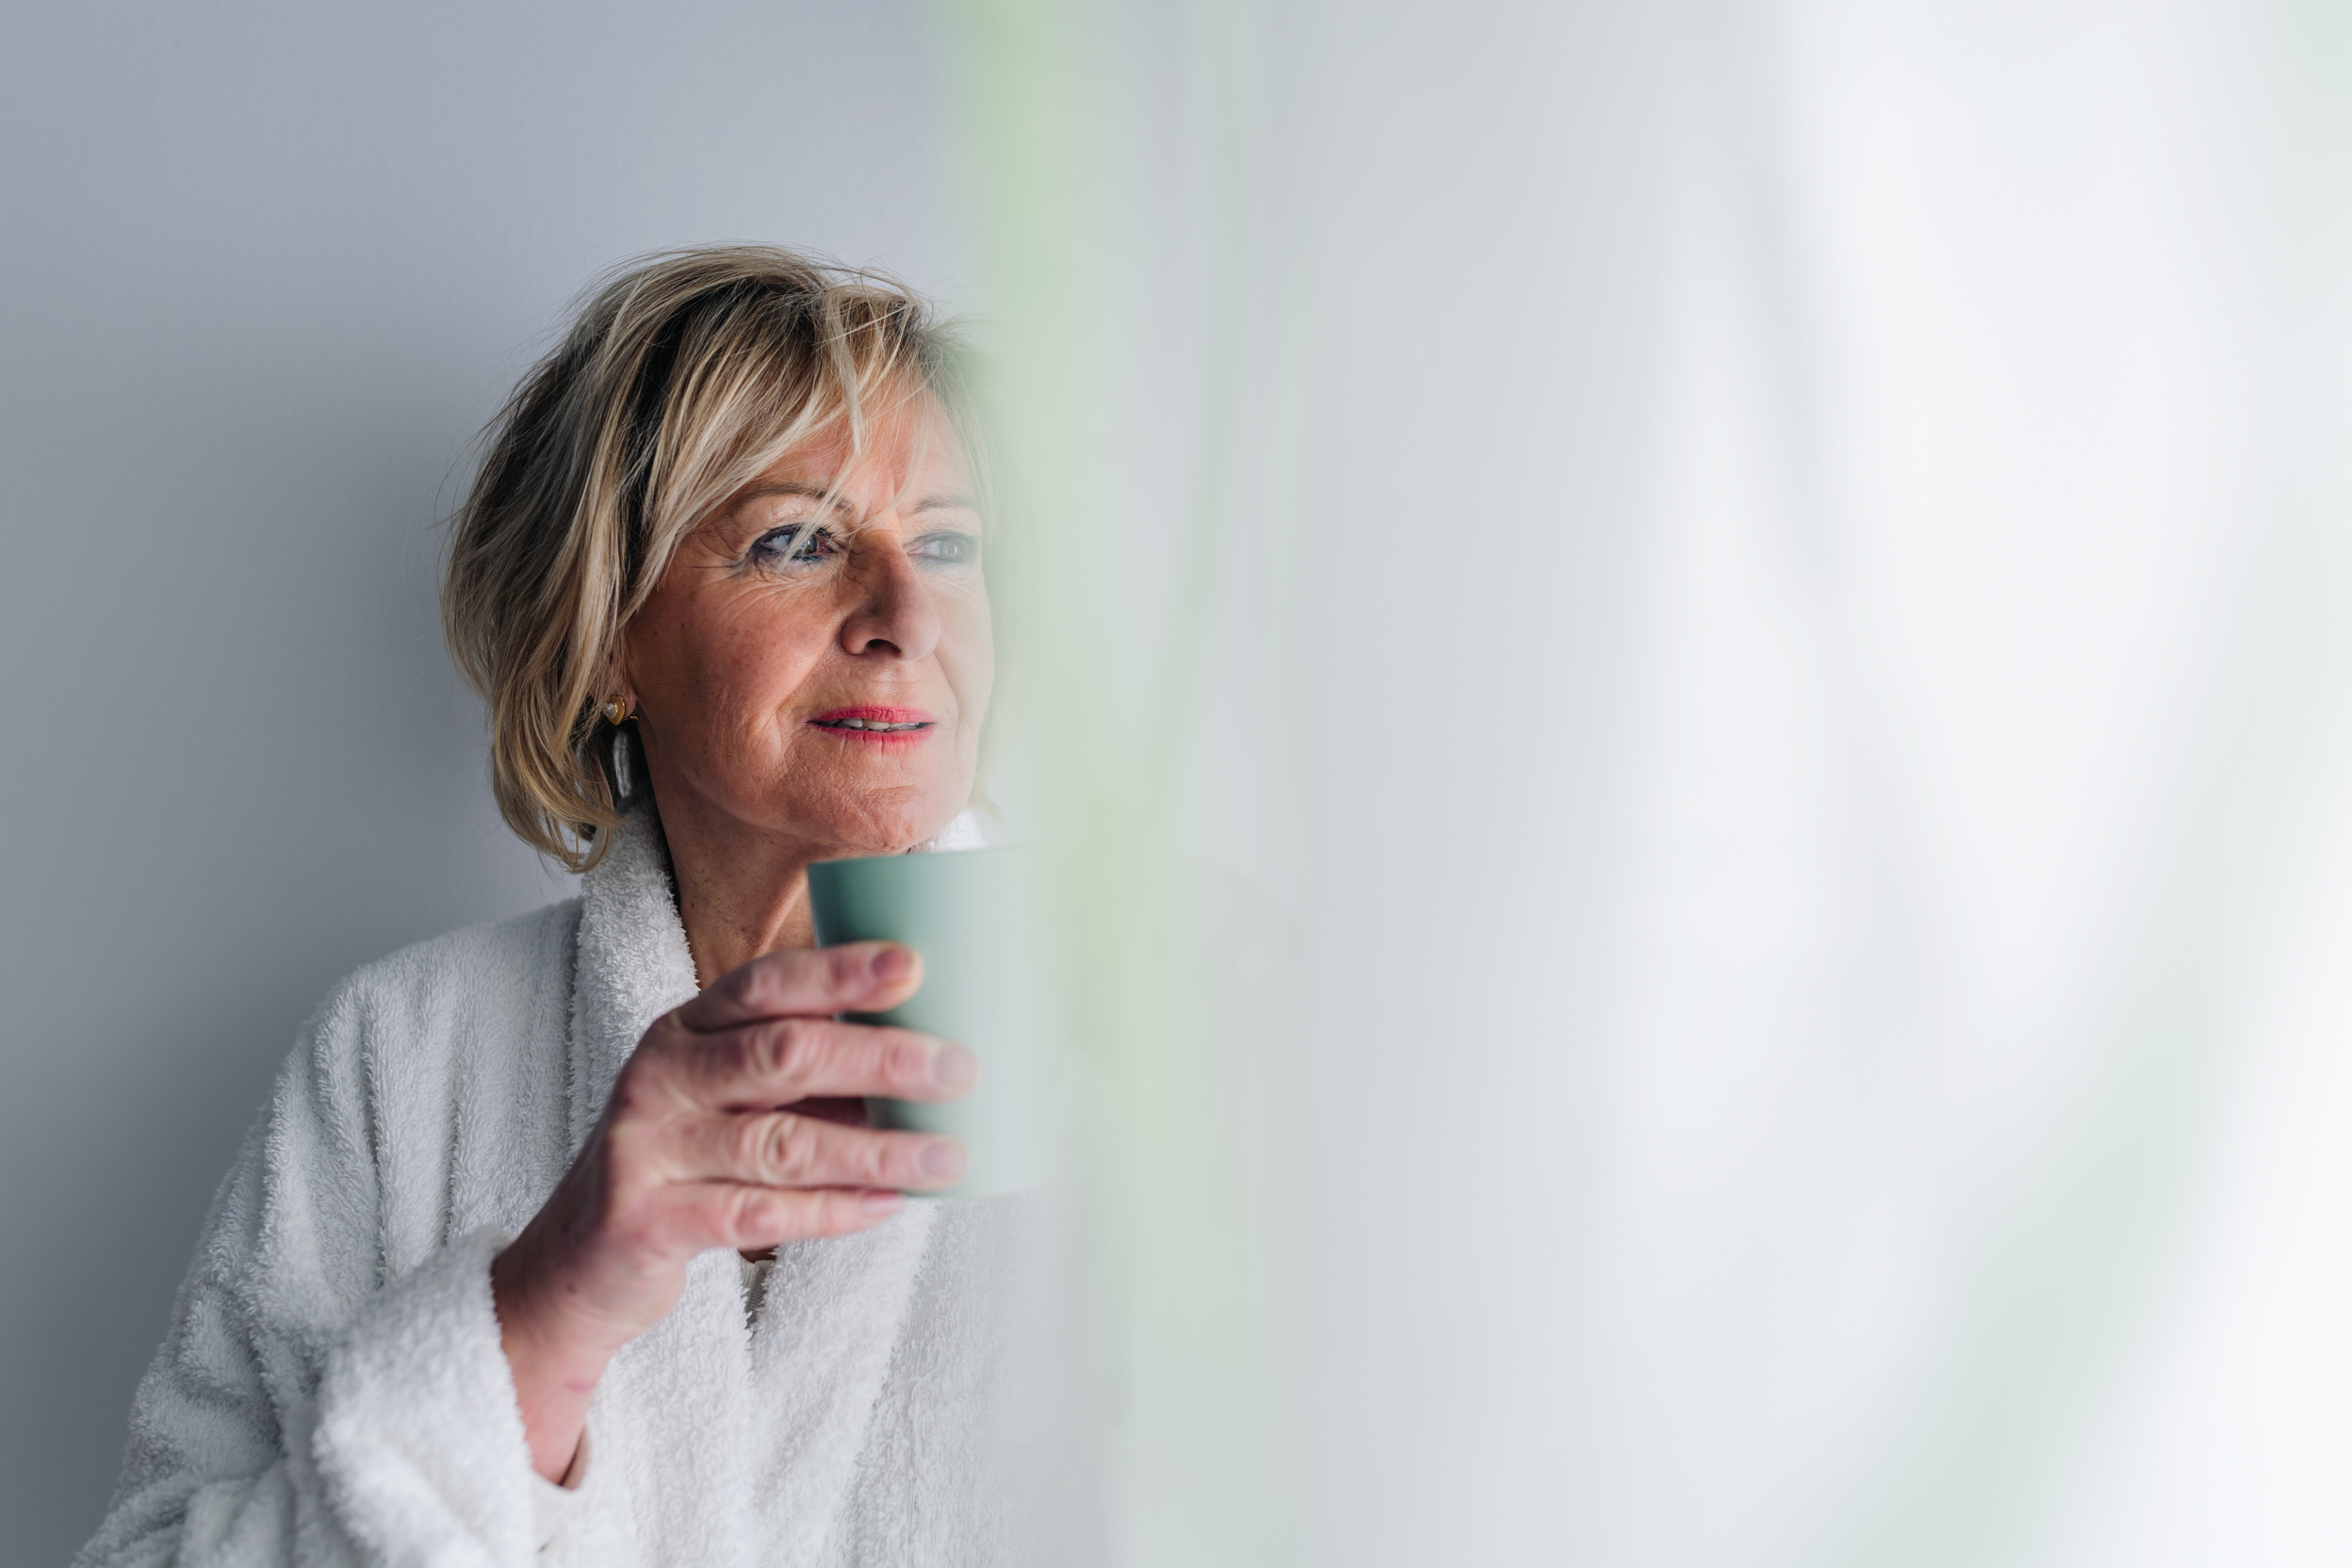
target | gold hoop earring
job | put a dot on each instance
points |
(616, 712)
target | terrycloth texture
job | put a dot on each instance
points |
(332, 1389)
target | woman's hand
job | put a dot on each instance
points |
(698, 1150)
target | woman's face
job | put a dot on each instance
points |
(820, 673)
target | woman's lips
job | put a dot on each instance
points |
(873, 726)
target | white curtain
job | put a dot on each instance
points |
(1755, 599)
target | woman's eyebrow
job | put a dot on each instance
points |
(946, 501)
(791, 487)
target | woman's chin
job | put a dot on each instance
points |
(894, 835)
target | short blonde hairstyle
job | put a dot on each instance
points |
(685, 376)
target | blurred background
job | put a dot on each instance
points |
(1755, 594)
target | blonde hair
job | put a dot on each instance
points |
(685, 376)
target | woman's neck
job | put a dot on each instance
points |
(741, 892)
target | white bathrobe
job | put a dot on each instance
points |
(333, 1389)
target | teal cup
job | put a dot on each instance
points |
(974, 915)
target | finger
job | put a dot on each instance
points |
(769, 1065)
(696, 1217)
(855, 977)
(784, 1150)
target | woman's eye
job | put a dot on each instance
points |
(794, 544)
(948, 548)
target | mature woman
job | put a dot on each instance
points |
(565, 1237)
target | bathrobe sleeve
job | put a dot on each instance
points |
(332, 1389)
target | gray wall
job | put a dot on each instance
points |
(267, 268)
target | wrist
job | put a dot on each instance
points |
(555, 1364)
(543, 1326)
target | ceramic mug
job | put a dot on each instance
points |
(973, 915)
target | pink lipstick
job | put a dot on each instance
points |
(874, 725)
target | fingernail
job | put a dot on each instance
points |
(955, 1068)
(879, 1202)
(892, 962)
(943, 1161)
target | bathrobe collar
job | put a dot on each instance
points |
(633, 964)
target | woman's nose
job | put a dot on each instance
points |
(892, 616)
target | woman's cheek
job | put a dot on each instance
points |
(971, 669)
